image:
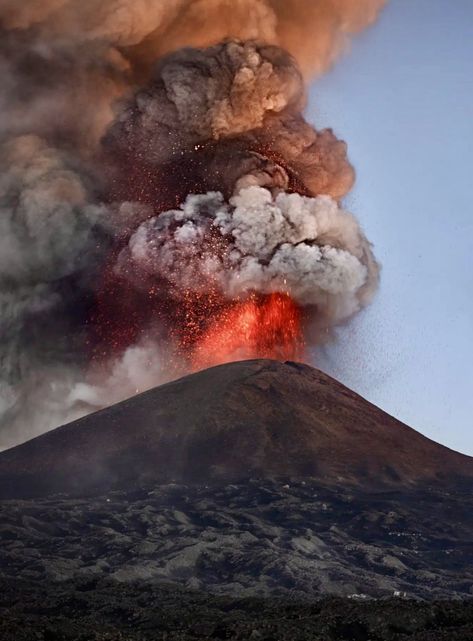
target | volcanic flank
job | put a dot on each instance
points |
(236, 421)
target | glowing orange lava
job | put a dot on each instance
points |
(201, 329)
(260, 327)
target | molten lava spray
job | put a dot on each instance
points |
(266, 327)
(165, 205)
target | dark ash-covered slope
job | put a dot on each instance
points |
(245, 419)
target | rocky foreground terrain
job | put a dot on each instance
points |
(238, 561)
(101, 610)
(258, 538)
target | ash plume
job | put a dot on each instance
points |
(235, 109)
(314, 33)
(156, 176)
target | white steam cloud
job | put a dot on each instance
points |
(308, 247)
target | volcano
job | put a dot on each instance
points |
(249, 419)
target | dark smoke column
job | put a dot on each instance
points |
(246, 223)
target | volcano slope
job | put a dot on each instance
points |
(240, 420)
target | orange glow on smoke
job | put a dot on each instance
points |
(260, 327)
(202, 329)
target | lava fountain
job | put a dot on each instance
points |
(260, 327)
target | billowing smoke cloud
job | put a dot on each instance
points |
(231, 115)
(314, 33)
(126, 227)
(63, 62)
(307, 247)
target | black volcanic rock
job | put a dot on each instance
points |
(240, 420)
(261, 537)
(102, 610)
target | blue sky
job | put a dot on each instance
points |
(403, 100)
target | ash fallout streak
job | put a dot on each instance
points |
(166, 207)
